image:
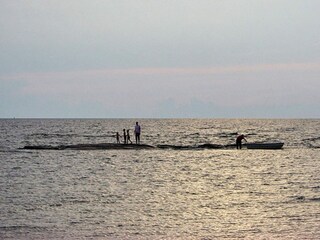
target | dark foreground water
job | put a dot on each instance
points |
(160, 193)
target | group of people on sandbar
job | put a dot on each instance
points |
(137, 132)
(126, 135)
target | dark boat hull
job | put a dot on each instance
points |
(264, 145)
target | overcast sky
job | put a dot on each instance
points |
(160, 58)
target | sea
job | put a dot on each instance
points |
(160, 193)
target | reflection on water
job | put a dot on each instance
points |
(210, 193)
(161, 194)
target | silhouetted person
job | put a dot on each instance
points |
(239, 141)
(118, 137)
(124, 137)
(137, 132)
(128, 137)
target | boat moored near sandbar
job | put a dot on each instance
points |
(276, 145)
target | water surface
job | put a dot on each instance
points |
(162, 193)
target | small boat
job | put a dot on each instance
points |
(277, 145)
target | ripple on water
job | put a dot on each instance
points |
(162, 194)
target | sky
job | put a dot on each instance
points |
(159, 59)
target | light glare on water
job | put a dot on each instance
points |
(160, 194)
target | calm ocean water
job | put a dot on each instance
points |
(160, 193)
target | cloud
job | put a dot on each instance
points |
(128, 58)
(77, 34)
(156, 71)
(173, 91)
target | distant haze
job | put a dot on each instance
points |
(168, 58)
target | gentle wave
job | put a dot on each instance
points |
(159, 192)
